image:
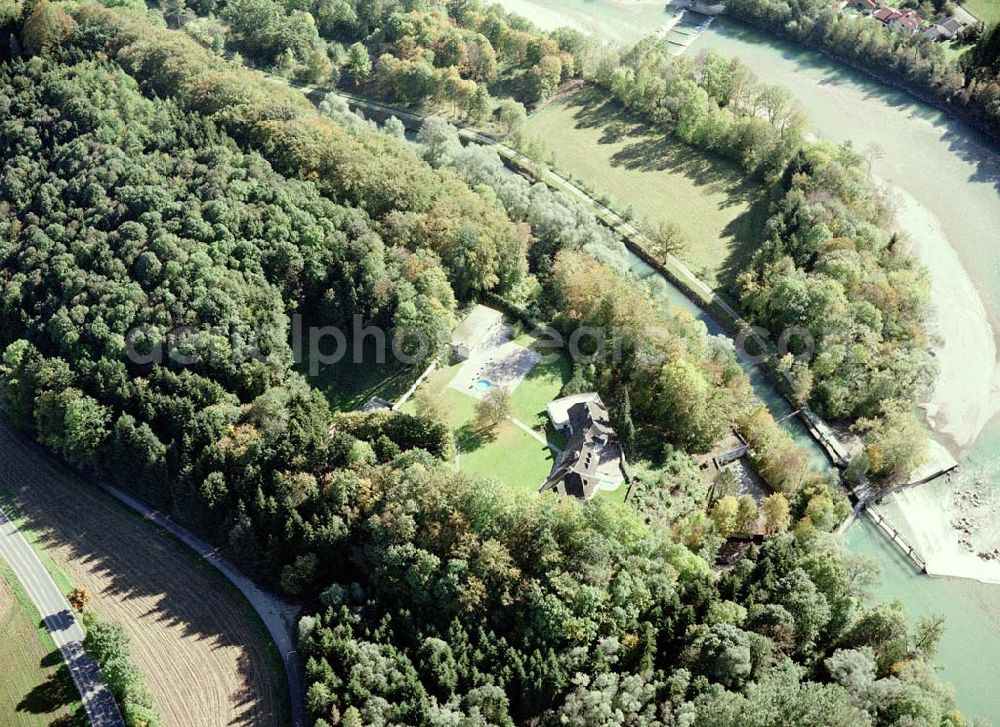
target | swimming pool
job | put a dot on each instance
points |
(484, 384)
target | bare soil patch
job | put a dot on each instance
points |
(206, 656)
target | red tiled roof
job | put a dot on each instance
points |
(909, 19)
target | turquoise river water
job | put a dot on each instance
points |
(953, 176)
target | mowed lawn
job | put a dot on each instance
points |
(35, 685)
(542, 385)
(986, 10)
(634, 166)
(509, 454)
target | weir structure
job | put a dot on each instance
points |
(865, 497)
(896, 539)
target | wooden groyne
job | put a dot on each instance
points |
(940, 462)
(897, 539)
(864, 498)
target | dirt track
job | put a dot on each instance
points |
(206, 657)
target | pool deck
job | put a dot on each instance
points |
(499, 361)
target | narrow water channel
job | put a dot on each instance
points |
(665, 291)
(779, 407)
(949, 178)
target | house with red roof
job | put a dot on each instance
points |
(906, 20)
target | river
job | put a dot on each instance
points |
(619, 21)
(947, 183)
(664, 290)
(969, 647)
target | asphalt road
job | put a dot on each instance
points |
(61, 624)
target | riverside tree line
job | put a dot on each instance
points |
(829, 265)
(149, 183)
(967, 86)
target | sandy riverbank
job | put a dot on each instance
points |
(967, 392)
(952, 523)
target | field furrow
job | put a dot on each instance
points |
(206, 657)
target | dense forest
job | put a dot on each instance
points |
(407, 52)
(828, 269)
(715, 103)
(150, 185)
(968, 87)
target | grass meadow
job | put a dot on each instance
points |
(638, 168)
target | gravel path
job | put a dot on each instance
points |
(278, 615)
(206, 655)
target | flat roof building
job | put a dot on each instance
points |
(475, 329)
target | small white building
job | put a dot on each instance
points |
(478, 327)
(558, 410)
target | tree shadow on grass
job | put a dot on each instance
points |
(55, 693)
(654, 150)
(53, 658)
(649, 149)
(471, 438)
(747, 234)
(593, 108)
(359, 375)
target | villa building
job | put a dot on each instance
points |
(593, 459)
(907, 21)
